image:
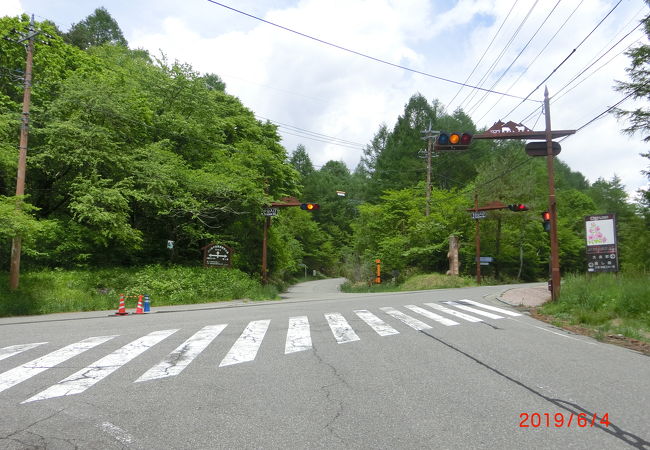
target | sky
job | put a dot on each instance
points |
(334, 101)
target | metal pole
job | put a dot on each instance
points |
(267, 224)
(478, 243)
(552, 206)
(16, 244)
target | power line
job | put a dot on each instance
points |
(472, 95)
(515, 60)
(345, 49)
(566, 58)
(599, 115)
(318, 135)
(484, 52)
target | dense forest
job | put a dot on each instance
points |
(128, 151)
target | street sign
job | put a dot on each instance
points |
(479, 214)
(170, 245)
(539, 148)
(486, 259)
(270, 212)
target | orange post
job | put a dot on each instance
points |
(121, 311)
(378, 278)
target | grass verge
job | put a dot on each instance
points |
(608, 307)
(414, 283)
(53, 291)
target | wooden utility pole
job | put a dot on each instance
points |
(478, 242)
(429, 136)
(552, 205)
(16, 244)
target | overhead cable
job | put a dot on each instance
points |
(354, 52)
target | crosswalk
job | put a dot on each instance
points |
(244, 349)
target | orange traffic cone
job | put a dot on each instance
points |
(122, 309)
(138, 309)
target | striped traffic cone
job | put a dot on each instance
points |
(138, 309)
(121, 311)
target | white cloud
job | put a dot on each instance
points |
(10, 8)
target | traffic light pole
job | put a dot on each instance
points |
(552, 205)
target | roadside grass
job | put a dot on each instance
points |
(56, 290)
(611, 305)
(414, 283)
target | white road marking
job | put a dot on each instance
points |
(474, 310)
(491, 308)
(408, 320)
(118, 433)
(12, 350)
(430, 315)
(21, 373)
(451, 312)
(381, 327)
(88, 376)
(298, 336)
(246, 347)
(341, 329)
(180, 358)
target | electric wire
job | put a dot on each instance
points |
(599, 115)
(534, 60)
(364, 55)
(319, 135)
(484, 52)
(523, 49)
(566, 58)
(470, 97)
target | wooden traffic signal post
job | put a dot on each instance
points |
(512, 130)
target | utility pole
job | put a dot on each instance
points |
(478, 242)
(552, 205)
(16, 244)
(429, 136)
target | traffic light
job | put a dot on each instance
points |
(546, 217)
(518, 207)
(309, 206)
(452, 141)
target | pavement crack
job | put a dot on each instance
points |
(614, 430)
(327, 390)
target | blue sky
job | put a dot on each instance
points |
(304, 84)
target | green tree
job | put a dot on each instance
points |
(99, 28)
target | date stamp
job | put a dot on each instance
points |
(560, 420)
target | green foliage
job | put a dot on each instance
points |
(53, 291)
(99, 28)
(614, 302)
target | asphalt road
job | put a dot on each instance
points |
(319, 369)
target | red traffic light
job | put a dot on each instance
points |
(518, 207)
(546, 216)
(309, 206)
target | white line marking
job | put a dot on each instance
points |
(32, 368)
(453, 313)
(88, 376)
(298, 336)
(12, 350)
(430, 315)
(381, 327)
(180, 358)
(491, 308)
(246, 347)
(118, 433)
(341, 329)
(408, 320)
(474, 310)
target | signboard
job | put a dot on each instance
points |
(217, 255)
(270, 212)
(170, 245)
(479, 214)
(602, 250)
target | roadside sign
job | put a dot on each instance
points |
(487, 259)
(270, 212)
(602, 249)
(217, 255)
(479, 214)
